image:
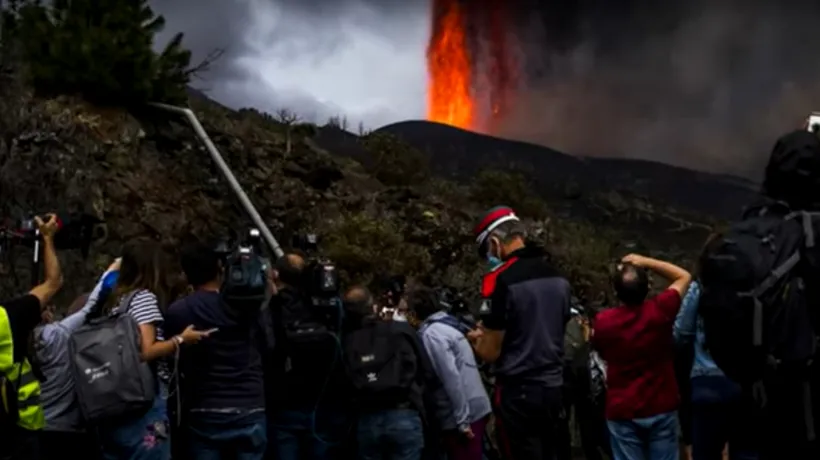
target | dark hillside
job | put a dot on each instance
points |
(462, 153)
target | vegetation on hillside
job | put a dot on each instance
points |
(100, 50)
(385, 215)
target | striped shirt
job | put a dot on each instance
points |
(144, 309)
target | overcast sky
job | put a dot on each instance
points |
(363, 59)
(697, 83)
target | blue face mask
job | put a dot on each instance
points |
(492, 260)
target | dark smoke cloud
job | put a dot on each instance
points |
(703, 84)
(362, 59)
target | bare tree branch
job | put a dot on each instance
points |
(287, 118)
(206, 63)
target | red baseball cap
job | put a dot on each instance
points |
(489, 222)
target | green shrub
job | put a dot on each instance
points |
(98, 49)
(492, 187)
(393, 161)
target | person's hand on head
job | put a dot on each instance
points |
(633, 259)
(48, 227)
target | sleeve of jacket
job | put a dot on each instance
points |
(75, 320)
(425, 373)
(444, 364)
(686, 320)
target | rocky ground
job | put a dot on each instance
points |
(147, 176)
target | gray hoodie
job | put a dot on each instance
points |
(57, 393)
(461, 399)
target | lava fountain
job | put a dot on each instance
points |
(450, 67)
(472, 72)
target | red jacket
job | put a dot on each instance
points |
(638, 347)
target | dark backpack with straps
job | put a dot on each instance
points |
(756, 315)
(380, 363)
(110, 377)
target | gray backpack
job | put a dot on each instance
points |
(110, 377)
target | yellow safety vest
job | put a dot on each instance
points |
(31, 416)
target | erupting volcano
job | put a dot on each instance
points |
(471, 73)
(449, 89)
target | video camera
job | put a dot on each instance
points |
(457, 306)
(75, 232)
(320, 278)
(245, 270)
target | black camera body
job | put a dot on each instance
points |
(75, 231)
(321, 277)
(457, 306)
(245, 281)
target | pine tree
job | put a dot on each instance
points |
(101, 50)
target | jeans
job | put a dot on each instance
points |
(529, 420)
(390, 435)
(650, 438)
(144, 436)
(212, 436)
(298, 435)
(723, 413)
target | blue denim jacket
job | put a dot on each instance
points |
(689, 328)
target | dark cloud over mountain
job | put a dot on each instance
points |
(705, 84)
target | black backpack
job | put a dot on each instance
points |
(753, 303)
(381, 364)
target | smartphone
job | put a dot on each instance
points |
(813, 123)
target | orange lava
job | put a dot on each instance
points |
(449, 69)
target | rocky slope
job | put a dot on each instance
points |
(151, 178)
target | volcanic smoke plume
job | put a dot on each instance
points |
(471, 64)
(696, 83)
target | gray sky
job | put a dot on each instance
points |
(363, 59)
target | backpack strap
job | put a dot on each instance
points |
(126, 301)
(775, 276)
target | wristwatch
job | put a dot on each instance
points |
(178, 339)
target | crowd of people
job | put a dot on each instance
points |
(135, 369)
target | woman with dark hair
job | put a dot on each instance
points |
(721, 412)
(141, 292)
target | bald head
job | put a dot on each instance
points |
(631, 284)
(289, 269)
(358, 300)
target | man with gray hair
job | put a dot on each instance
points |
(525, 308)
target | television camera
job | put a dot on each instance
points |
(321, 277)
(75, 232)
(246, 269)
(457, 306)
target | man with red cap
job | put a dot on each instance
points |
(524, 311)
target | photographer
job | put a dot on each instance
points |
(304, 375)
(222, 388)
(22, 417)
(65, 433)
(388, 369)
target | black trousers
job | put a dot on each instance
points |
(19, 444)
(530, 421)
(60, 445)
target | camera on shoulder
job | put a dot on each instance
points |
(245, 280)
(321, 277)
